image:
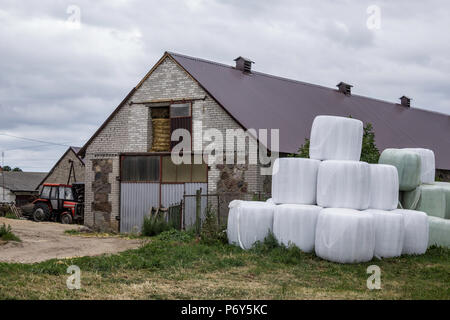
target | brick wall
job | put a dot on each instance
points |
(130, 131)
(60, 173)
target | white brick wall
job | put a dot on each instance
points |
(130, 129)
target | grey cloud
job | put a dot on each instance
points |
(60, 84)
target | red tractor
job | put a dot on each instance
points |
(60, 202)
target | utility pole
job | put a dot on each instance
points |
(3, 175)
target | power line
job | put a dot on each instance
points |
(35, 140)
(31, 147)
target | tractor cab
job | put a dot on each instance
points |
(59, 202)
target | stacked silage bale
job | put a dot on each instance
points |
(357, 222)
(419, 190)
(291, 214)
(294, 182)
(333, 204)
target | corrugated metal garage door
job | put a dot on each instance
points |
(136, 199)
(171, 194)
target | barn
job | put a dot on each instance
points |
(128, 164)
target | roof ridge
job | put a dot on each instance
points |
(301, 82)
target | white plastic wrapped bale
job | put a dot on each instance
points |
(408, 165)
(428, 164)
(446, 189)
(389, 233)
(428, 198)
(416, 231)
(249, 222)
(439, 232)
(296, 224)
(294, 180)
(343, 184)
(336, 138)
(383, 187)
(345, 235)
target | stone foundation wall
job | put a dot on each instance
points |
(101, 188)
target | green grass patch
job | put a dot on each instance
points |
(10, 215)
(7, 235)
(178, 264)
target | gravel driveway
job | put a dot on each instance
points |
(47, 240)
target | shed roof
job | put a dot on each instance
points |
(21, 181)
(259, 100)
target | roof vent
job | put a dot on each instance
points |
(345, 88)
(405, 101)
(244, 64)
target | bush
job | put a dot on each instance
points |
(7, 235)
(155, 225)
(303, 151)
(269, 243)
(211, 232)
(369, 151)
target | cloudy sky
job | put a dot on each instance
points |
(65, 65)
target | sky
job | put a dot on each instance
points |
(66, 65)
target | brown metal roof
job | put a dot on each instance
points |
(259, 100)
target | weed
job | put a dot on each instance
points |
(211, 232)
(7, 235)
(154, 225)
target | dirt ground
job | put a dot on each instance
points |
(46, 240)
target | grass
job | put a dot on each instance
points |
(7, 235)
(177, 265)
(10, 215)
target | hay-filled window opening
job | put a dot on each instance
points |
(160, 129)
(165, 120)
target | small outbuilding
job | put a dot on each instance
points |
(67, 170)
(19, 187)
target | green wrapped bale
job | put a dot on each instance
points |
(446, 187)
(408, 164)
(427, 198)
(439, 233)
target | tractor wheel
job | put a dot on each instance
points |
(66, 218)
(41, 212)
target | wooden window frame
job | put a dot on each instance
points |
(181, 102)
(160, 180)
(190, 103)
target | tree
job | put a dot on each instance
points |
(8, 168)
(303, 151)
(369, 151)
